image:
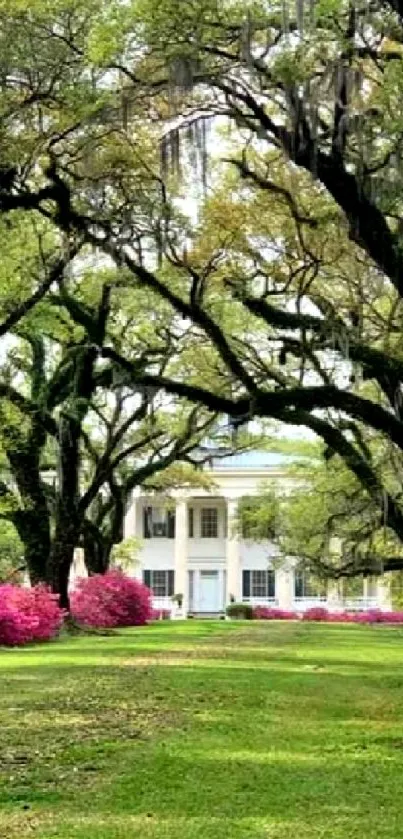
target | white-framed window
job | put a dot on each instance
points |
(305, 585)
(158, 523)
(161, 583)
(209, 523)
(263, 583)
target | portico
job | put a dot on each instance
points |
(191, 545)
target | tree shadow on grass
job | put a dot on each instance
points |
(211, 745)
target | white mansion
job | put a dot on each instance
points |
(194, 549)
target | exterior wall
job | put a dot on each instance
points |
(257, 556)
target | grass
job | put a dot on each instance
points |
(205, 731)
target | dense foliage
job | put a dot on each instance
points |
(28, 615)
(280, 298)
(111, 600)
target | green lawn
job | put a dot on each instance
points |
(204, 731)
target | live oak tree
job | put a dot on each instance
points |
(65, 415)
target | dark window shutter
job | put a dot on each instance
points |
(245, 583)
(147, 516)
(271, 583)
(171, 583)
(191, 522)
(147, 578)
(299, 584)
(171, 524)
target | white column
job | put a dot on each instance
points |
(285, 587)
(233, 553)
(365, 589)
(130, 530)
(383, 594)
(333, 596)
(181, 551)
(130, 522)
(78, 568)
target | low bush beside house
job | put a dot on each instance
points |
(110, 600)
(320, 614)
(240, 611)
(316, 613)
(375, 616)
(28, 615)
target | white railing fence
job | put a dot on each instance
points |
(360, 604)
(162, 604)
(261, 601)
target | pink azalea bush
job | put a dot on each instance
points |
(320, 614)
(316, 613)
(266, 613)
(375, 616)
(110, 600)
(28, 615)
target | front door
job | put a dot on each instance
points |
(209, 591)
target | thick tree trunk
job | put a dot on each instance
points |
(67, 523)
(32, 521)
(61, 559)
(97, 551)
(33, 530)
(104, 531)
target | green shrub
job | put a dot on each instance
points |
(240, 611)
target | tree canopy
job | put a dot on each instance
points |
(283, 292)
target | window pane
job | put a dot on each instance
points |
(299, 584)
(263, 583)
(159, 522)
(147, 522)
(308, 586)
(259, 584)
(159, 583)
(209, 523)
(170, 522)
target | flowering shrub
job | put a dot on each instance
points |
(319, 613)
(375, 616)
(110, 600)
(265, 613)
(316, 613)
(28, 614)
(341, 617)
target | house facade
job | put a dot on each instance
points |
(192, 547)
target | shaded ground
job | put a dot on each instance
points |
(205, 731)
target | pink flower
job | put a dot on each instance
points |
(266, 613)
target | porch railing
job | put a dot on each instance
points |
(261, 601)
(302, 603)
(162, 604)
(360, 604)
